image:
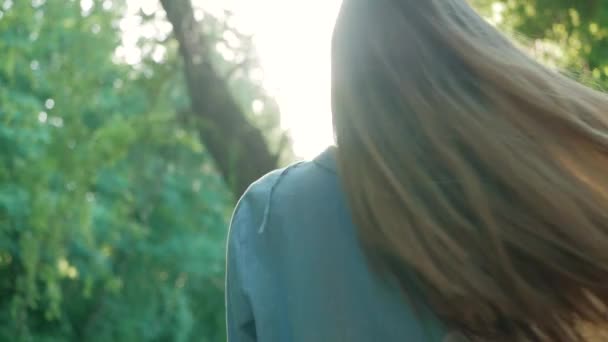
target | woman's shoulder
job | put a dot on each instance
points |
(300, 174)
(293, 227)
(297, 188)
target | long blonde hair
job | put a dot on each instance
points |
(472, 168)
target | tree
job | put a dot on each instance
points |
(238, 147)
(575, 33)
(113, 214)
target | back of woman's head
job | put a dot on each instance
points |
(472, 169)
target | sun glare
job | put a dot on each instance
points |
(293, 41)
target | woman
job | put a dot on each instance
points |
(468, 192)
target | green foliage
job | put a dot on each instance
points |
(572, 33)
(234, 58)
(112, 216)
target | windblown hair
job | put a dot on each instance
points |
(473, 169)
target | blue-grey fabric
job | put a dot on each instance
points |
(296, 272)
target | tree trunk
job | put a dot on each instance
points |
(238, 147)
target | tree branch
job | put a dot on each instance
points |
(239, 148)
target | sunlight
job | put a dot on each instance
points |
(293, 41)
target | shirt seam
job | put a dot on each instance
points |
(267, 207)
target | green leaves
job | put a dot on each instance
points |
(573, 34)
(112, 216)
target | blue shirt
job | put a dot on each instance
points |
(296, 271)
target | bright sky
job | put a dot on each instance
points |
(293, 42)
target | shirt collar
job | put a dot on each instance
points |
(327, 159)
